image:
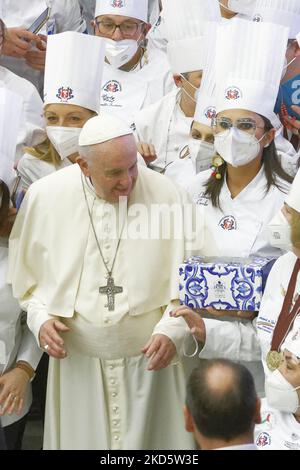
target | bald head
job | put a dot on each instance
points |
(221, 399)
(111, 166)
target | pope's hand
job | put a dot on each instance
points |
(17, 42)
(50, 340)
(193, 320)
(161, 350)
(147, 151)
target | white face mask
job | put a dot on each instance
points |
(280, 394)
(201, 153)
(119, 53)
(195, 97)
(237, 147)
(280, 232)
(64, 139)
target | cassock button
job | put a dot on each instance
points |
(115, 409)
(114, 395)
(115, 422)
(112, 381)
(107, 247)
(116, 438)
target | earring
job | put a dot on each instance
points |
(216, 164)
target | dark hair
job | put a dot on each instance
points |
(4, 208)
(272, 168)
(224, 414)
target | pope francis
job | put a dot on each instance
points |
(98, 294)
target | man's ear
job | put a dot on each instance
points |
(83, 166)
(257, 415)
(189, 423)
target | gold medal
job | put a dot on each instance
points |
(274, 359)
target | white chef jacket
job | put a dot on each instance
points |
(17, 343)
(65, 16)
(272, 301)
(164, 125)
(32, 169)
(125, 93)
(239, 229)
(31, 130)
(277, 431)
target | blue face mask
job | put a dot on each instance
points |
(289, 94)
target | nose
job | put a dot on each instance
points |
(117, 36)
(126, 180)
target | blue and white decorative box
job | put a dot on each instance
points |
(235, 284)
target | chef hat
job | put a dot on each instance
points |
(10, 114)
(293, 198)
(137, 9)
(206, 100)
(102, 128)
(74, 68)
(242, 6)
(292, 341)
(249, 62)
(282, 12)
(184, 23)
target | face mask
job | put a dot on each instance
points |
(289, 94)
(237, 147)
(64, 139)
(195, 97)
(201, 153)
(280, 232)
(119, 53)
(280, 394)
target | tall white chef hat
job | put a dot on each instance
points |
(283, 12)
(137, 9)
(292, 341)
(102, 128)
(184, 23)
(10, 114)
(74, 68)
(249, 62)
(206, 100)
(293, 198)
(241, 6)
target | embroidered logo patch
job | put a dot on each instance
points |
(228, 223)
(233, 93)
(65, 94)
(263, 439)
(113, 86)
(117, 3)
(210, 112)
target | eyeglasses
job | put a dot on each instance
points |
(222, 124)
(128, 29)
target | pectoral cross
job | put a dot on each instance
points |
(110, 290)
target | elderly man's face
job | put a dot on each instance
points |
(112, 167)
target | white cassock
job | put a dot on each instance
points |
(164, 125)
(239, 229)
(31, 131)
(17, 343)
(65, 16)
(123, 94)
(102, 396)
(277, 431)
(276, 288)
